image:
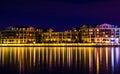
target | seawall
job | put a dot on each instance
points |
(59, 45)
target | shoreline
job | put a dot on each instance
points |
(60, 45)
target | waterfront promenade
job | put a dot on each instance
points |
(61, 44)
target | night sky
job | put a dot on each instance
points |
(58, 14)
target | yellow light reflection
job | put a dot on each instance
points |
(34, 54)
(80, 55)
(0, 54)
(68, 57)
(63, 55)
(76, 58)
(58, 52)
(10, 55)
(3, 49)
(97, 58)
(101, 55)
(39, 50)
(42, 55)
(54, 52)
(47, 54)
(18, 53)
(106, 58)
(30, 57)
(90, 60)
(50, 56)
(15, 55)
(84, 55)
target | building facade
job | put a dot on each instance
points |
(105, 33)
(84, 34)
(56, 37)
(38, 34)
(18, 35)
(76, 35)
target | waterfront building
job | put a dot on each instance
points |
(84, 34)
(76, 35)
(105, 33)
(19, 34)
(38, 34)
(56, 37)
(116, 38)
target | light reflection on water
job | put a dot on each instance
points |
(90, 60)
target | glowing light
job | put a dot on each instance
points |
(117, 55)
(63, 55)
(90, 60)
(50, 61)
(47, 55)
(3, 55)
(84, 56)
(42, 55)
(76, 54)
(30, 57)
(97, 62)
(0, 55)
(15, 55)
(112, 40)
(106, 58)
(55, 49)
(34, 58)
(112, 58)
(100, 55)
(79, 54)
(58, 52)
(39, 50)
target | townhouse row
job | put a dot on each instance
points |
(89, 33)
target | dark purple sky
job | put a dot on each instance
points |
(58, 14)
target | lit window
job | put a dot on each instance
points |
(23, 28)
(97, 35)
(97, 29)
(90, 29)
(28, 29)
(12, 28)
(106, 36)
(17, 28)
(112, 36)
(16, 34)
(30, 34)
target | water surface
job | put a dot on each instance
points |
(38, 60)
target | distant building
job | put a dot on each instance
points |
(105, 33)
(88, 33)
(56, 37)
(76, 35)
(84, 34)
(38, 34)
(18, 34)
